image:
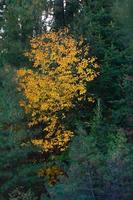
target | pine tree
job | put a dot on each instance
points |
(19, 161)
(99, 25)
(123, 108)
(21, 20)
(78, 184)
(99, 167)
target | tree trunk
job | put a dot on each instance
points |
(59, 13)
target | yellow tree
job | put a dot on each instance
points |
(61, 69)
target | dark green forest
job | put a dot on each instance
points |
(92, 155)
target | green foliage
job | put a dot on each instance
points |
(20, 195)
(109, 41)
(98, 163)
(21, 20)
(19, 163)
(78, 183)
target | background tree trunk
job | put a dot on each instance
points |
(59, 19)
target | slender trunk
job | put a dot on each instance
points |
(72, 7)
(59, 13)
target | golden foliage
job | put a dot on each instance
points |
(52, 173)
(61, 70)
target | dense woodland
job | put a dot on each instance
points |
(66, 99)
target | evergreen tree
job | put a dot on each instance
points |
(100, 165)
(123, 108)
(97, 22)
(19, 161)
(78, 183)
(21, 20)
